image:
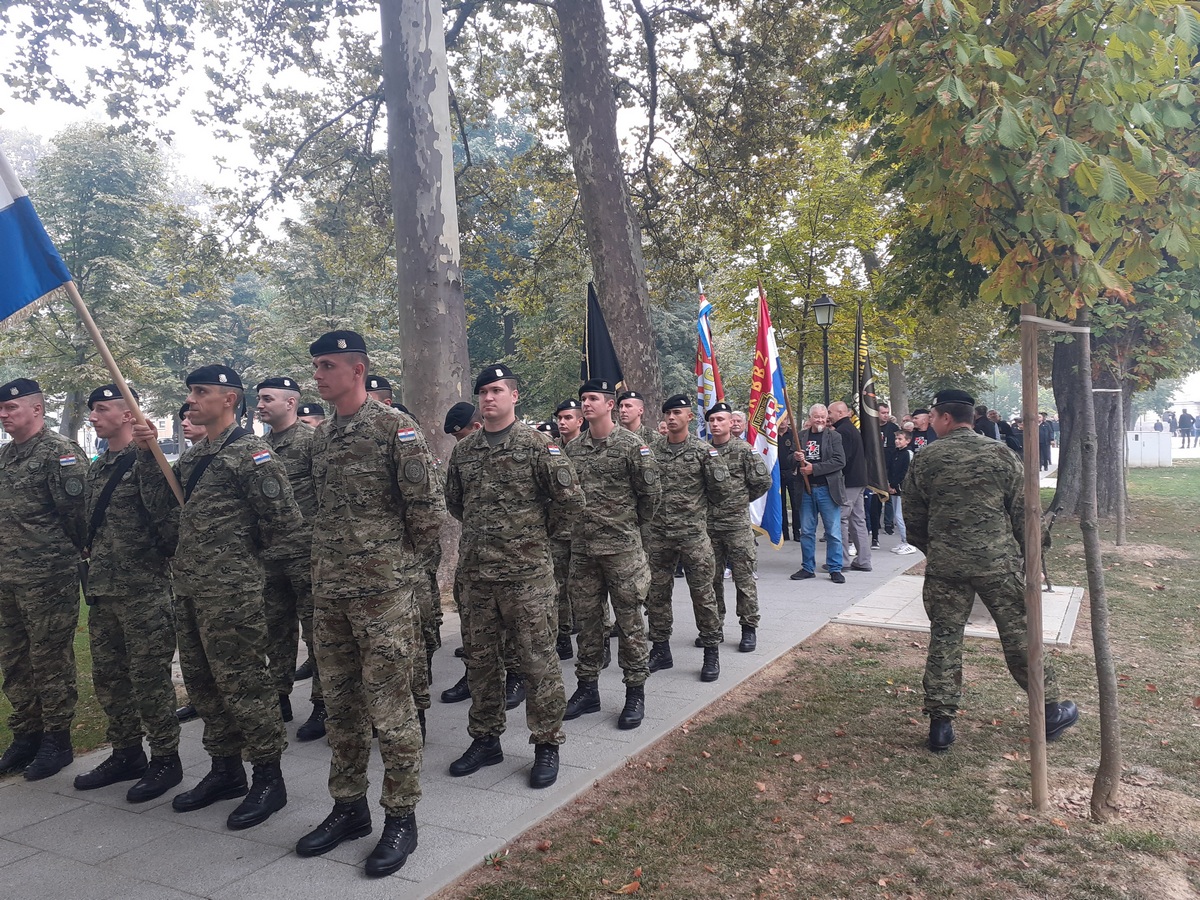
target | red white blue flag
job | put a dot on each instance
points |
(708, 377)
(768, 406)
(30, 267)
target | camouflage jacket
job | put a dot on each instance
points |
(695, 480)
(293, 449)
(241, 505)
(43, 499)
(503, 496)
(126, 559)
(749, 479)
(964, 506)
(620, 481)
(560, 521)
(379, 514)
(646, 433)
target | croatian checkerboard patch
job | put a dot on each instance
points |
(262, 457)
(406, 434)
(67, 460)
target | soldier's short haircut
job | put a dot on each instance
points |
(981, 410)
(356, 358)
(958, 412)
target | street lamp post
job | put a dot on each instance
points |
(823, 311)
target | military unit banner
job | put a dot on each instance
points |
(868, 415)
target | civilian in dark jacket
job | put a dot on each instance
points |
(820, 461)
(787, 478)
(854, 516)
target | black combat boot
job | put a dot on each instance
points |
(514, 690)
(941, 734)
(126, 764)
(267, 795)
(484, 751)
(163, 773)
(607, 661)
(52, 756)
(1060, 717)
(460, 692)
(711, 670)
(285, 707)
(749, 640)
(563, 647)
(314, 727)
(421, 719)
(660, 656)
(545, 766)
(186, 713)
(347, 822)
(20, 752)
(586, 699)
(398, 840)
(635, 707)
(224, 781)
(304, 671)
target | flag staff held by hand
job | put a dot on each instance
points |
(34, 270)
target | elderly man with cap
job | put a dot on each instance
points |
(500, 482)
(130, 626)
(964, 508)
(729, 525)
(695, 483)
(620, 482)
(43, 526)
(287, 597)
(820, 460)
(311, 414)
(631, 409)
(378, 518)
(237, 501)
(923, 433)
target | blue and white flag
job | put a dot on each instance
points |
(768, 406)
(30, 267)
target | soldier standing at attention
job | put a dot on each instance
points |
(729, 524)
(378, 518)
(499, 484)
(695, 481)
(238, 500)
(379, 388)
(312, 415)
(964, 508)
(43, 525)
(287, 597)
(131, 626)
(620, 483)
(569, 416)
(631, 408)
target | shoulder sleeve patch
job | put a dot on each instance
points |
(564, 476)
(414, 471)
(73, 486)
(644, 450)
(261, 457)
(406, 434)
(270, 487)
(68, 460)
(553, 449)
(712, 451)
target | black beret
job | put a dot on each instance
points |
(567, 405)
(404, 409)
(597, 386)
(221, 376)
(719, 406)
(953, 396)
(282, 382)
(920, 412)
(378, 383)
(629, 395)
(459, 417)
(19, 387)
(547, 428)
(108, 392)
(183, 411)
(337, 342)
(678, 401)
(311, 409)
(491, 374)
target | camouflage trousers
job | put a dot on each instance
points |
(523, 613)
(511, 661)
(696, 553)
(428, 628)
(133, 641)
(948, 604)
(625, 577)
(560, 555)
(37, 653)
(288, 605)
(223, 654)
(736, 550)
(368, 651)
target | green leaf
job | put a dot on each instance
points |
(1177, 243)
(1012, 132)
(1112, 187)
(963, 94)
(982, 130)
(1143, 185)
(1087, 177)
(1006, 58)
(1187, 25)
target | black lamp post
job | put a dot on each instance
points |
(823, 311)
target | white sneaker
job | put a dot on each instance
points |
(851, 550)
(906, 549)
(728, 574)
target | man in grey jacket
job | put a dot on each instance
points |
(820, 459)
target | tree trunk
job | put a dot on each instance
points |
(1107, 784)
(72, 417)
(897, 385)
(1068, 397)
(613, 235)
(1110, 433)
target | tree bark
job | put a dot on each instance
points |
(1110, 434)
(613, 235)
(897, 385)
(1068, 398)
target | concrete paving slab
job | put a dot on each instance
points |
(94, 833)
(24, 805)
(48, 876)
(10, 851)
(198, 863)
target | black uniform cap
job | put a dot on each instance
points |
(459, 417)
(108, 392)
(566, 405)
(337, 342)
(221, 376)
(183, 411)
(719, 406)
(677, 401)
(952, 396)
(19, 387)
(920, 412)
(311, 409)
(282, 382)
(629, 395)
(547, 428)
(597, 386)
(378, 383)
(492, 374)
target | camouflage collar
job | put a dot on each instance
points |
(207, 447)
(20, 451)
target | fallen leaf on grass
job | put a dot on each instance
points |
(685, 789)
(775, 742)
(840, 732)
(761, 785)
(846, 820)
(799, 757)
(637, 874)
(823, 797)
(597, 840)
(543, 846)
(1152, 688)
(1014, 756)
(710, 870)
(1061, 824)
(706, 754)
(632, 888)
(1196, 703)
(1148, 564)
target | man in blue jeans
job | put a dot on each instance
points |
(820, 459)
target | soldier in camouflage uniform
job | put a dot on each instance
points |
(695, 482)
(238, 501)
(42, 528)
(287, 596)
(631, 410)
(131, 625)
(500, 483)
(729, 525)
(965, 509)
(570, 422)
(620, 482)
(311, 414)
(378, 521)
